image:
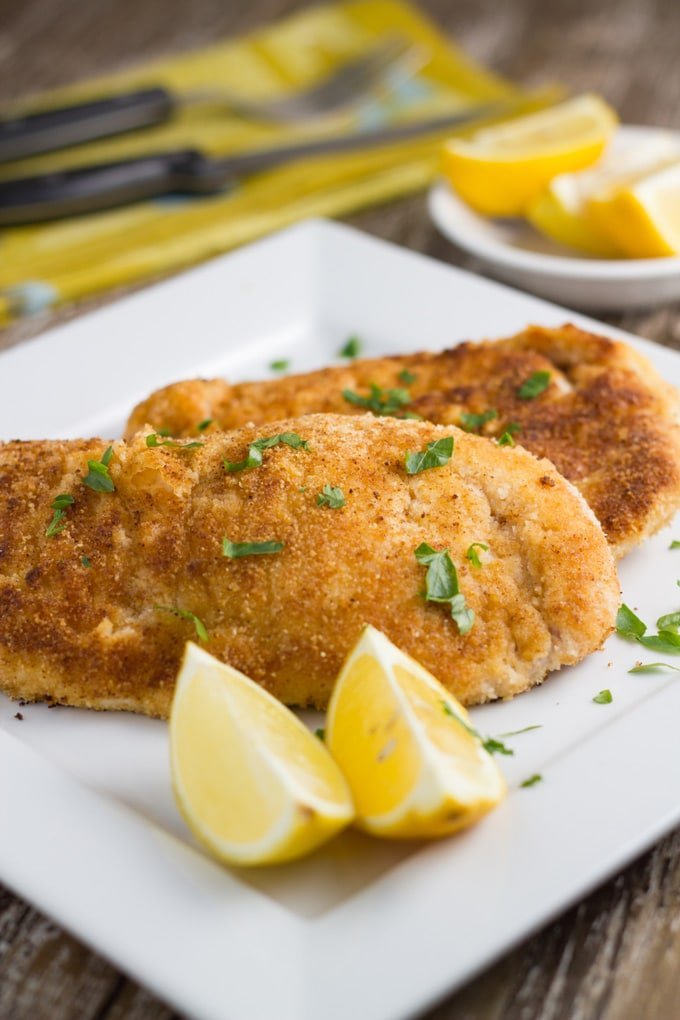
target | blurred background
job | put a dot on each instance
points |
(624, 51)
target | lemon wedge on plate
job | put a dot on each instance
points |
(561, 212)
(642, 216)
(415, 765)
(253, 783)
(501, 169)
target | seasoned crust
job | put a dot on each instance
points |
(545, 596)
(607, 421)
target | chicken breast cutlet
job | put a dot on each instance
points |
(277, 578)
(594, 407)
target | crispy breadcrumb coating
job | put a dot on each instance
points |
(607, 421)
(86, 631)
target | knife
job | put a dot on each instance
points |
(89, 189)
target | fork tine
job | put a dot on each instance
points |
(344, 86)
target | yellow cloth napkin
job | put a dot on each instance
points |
(45, 265)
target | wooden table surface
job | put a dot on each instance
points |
(616, 956)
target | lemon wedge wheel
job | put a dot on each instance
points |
(643, 218)
(254, 785)
(406, 747)
(502, 169)
(562, 212)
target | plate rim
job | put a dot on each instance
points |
(303, 952)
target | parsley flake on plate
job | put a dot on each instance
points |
(490, 744)
(282, 365)
(652, 667)
(532, 780)
(525, 729)
(60, 505)
(351, 349)
(435, 454)
(236, 550)
(473, 556)
(381, 403)
(254, 457)
(532, 387)
(675, 544)
(604, 697)
(667, 641)
(203, 425)
(86, 561)
(184, 614)
(470, 422)
(506, 440)
(441, 585)
(331, 496)
(97, 477)
(494, 746)
(407, 377)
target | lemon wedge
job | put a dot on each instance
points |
(253, 783)
(501, 169)
(643, 216)
(562, 213)
(414, 764)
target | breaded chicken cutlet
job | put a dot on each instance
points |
(593, 406)
(97, 611)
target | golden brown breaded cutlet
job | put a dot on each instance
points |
(607, 421)
(88, 631)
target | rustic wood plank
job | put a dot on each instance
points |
(615, 956)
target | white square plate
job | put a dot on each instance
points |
(90, 833)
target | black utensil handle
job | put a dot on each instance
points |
(83, 122)
(94, 188)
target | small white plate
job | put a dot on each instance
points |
(513, 251)
(89, 831)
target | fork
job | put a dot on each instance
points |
(62, 127)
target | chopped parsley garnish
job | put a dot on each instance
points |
(506, 440)
(532, 780)
(490, 745)
(280, 366)
(473, 556)
(525, 729)
(628, 624)
(380, 402)
(320, 733)
(86, 561)
(513, 427)
(407, 377)
(153, 441)
(604, 697)
(184, 614)
(351, 349)
(236, 550)
(98, 477)
(669, 622)
(675, 544)
(203, 425)
(532, 387)
(441, 585)
(494, 746)
(254, 457)
(331, 496)
(164, 432)
(652, 667)
(470, 422)
(667, 641)
(435, 454)
(60, 505)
